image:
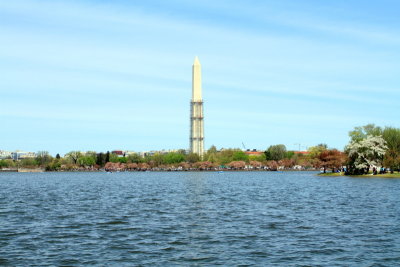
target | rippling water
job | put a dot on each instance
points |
(197, 219)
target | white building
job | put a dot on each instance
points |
(17, 155)
(5, 154)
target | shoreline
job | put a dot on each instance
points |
(219, 170)
(318, 173)
(340, 174)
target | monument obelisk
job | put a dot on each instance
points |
(196, 112)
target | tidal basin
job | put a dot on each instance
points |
(198, 219)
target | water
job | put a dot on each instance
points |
(198, 219)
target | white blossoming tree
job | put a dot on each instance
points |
(365, 153)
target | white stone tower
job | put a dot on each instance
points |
(196, 112)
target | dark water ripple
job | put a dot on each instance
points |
(198, 219)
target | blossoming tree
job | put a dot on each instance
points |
(365, 153)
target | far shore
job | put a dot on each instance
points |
(327, 174)
(160, 170)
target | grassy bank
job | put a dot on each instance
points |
(386, 175)
(331, 174)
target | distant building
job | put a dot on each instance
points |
(128, 152)
(163, 152)
(17, 155)
(5, 154)
(119, 153)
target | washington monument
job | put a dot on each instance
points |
(196, 112)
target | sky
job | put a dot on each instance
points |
(106, 75)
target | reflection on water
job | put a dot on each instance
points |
(198, 218)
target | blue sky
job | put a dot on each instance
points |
(104, 75)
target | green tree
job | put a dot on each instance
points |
(157, 159)
(101, 159)
(212, 158)
(122, 159)
(173, 157)
(73, 156)
(392, 160)
(86, 161)
(92, 154)
(392, 137)
(212, 149)
(392, 156)
(239, 155)
(225, 156)
(276, 152)
(7, 163)
(361, 132)
(134, 158)
(323, 145)
(289, 154)
(113, 158)
(28, 163)
(259, 158)
(55, 165)
(211, 154)
(43, 158)
(93, 157)
(192, 157)
(315, 151)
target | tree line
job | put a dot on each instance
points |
(370, 146)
